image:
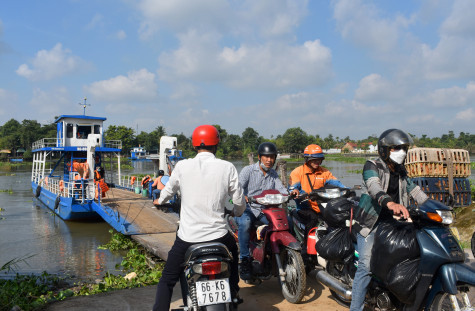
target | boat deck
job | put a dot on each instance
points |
(154, 229)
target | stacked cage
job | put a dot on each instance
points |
(441, 173)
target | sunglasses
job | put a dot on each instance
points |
(400, 147)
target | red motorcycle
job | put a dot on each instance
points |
(275, 252)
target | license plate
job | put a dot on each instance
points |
(213, 292)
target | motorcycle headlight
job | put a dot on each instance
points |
(444, 217)
(272, 199)
(332, 193)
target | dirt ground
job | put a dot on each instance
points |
(267, 297)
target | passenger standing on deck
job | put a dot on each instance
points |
(205, 183)
(254, 179)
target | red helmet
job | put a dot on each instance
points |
(205, 135)
(313, 151)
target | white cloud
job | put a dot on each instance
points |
(45, 108)
(137, 87)
(362, 23)
(453, 97)
(452, 58)
(179, 15)
(375, 88)
(466, 115)
(270, 65)
(51, 64)
(96, 21)
(269, 18)
(121, 35)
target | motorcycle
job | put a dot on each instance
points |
(342, 198)
(274, 251)
(445, 282)
(205, 281)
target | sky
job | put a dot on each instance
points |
(343, 67)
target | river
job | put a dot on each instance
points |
(71, 248)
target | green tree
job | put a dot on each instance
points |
(123, 133)
(155, 136)
(295, 140)
(251, 140)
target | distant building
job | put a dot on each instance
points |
(332, 151)
(351, 147)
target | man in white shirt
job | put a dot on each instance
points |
(205, 184)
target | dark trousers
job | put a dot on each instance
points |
(173, 268)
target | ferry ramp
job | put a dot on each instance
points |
(134, 215)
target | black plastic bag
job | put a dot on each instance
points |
(337, 212)
(336, 245)
(394, 242)
(403, 279)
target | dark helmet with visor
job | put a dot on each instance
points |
(390, 139)
(267, 148)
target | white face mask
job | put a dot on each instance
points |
(265, 168)
(398, 156)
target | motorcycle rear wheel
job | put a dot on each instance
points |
(442, 301)
(295, 283)
(220, 307)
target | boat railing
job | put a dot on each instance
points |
(128, 182)
(80, 189)
(46, 142)
(54, 142)
(113, 144)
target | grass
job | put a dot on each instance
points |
(34, 292)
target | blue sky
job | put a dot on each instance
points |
(346, 67)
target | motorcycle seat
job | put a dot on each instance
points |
(204, 249)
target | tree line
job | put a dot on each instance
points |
(15, 135)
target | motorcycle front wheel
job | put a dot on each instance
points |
(465, 298)
(295, 283)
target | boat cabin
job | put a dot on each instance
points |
(76, 130)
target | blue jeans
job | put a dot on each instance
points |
(362, 275)
(245, 222)
(155, 194)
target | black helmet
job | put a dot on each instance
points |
(391, 138)
(267, 148)
(161, 173)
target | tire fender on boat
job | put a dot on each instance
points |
(56, 202)
(38, 191)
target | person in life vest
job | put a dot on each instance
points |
(158, 185)
(81, 167)
(145, 181)
(99, 182)
(308, 177)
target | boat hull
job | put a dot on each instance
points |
(65, 208)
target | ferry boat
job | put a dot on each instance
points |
(65, 167)
(138, 153)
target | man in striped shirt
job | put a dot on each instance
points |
(254, 179)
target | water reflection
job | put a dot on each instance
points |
(58, 247)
